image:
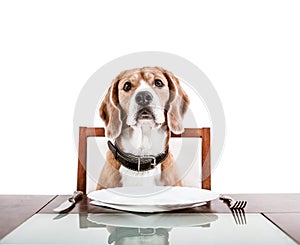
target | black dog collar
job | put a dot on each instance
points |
(134, 162)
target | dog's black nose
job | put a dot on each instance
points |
(143, 98)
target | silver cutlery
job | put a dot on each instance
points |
(70, 203)
(233, 204)
(236, 208)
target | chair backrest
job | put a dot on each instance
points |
(85, 132)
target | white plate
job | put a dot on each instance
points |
(146, 208)
(166, 220)
(156, 195)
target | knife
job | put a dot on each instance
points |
(70, 203)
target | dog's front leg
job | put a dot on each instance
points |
(169, 174)
(169, 177)
(110, 176)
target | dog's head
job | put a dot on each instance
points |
(149, 95)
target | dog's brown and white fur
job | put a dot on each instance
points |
(142, 125)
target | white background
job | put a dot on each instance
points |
(249, 50)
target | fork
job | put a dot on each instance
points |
(233, 204)
(237, 209)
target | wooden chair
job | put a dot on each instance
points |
(85, 132)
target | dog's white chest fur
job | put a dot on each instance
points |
(143, 140)
(144, 178)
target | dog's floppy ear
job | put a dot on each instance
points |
(178, 104)
(110, 112)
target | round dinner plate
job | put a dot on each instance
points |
(146, 208)
(157, 195)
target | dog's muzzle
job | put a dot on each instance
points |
(143, 99)
(145, 113)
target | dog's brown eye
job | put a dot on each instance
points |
(158, 83)
(127, 86)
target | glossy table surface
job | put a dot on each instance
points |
(283, 210)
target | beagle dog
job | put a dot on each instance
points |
(140, 110)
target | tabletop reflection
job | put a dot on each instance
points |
(160, 228)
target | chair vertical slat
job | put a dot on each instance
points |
(206, 166)
(82, 153)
